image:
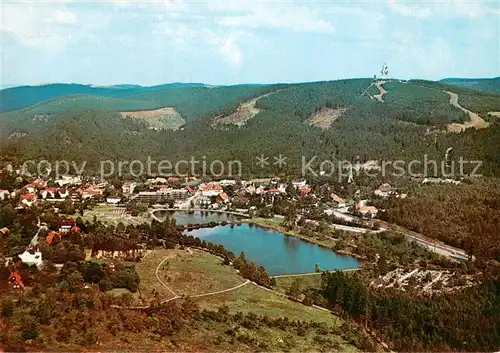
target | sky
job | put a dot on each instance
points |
(230, 42)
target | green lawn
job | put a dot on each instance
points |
(197, 273)
(149, 284)
(284, 283)
(251, 298)
(105, 214)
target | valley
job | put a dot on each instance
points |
(231, 176)
(338, 252)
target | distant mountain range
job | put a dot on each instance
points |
(18, 97)
(342, 118)
(23, 96)
(482, 84)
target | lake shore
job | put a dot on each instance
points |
(274, 224)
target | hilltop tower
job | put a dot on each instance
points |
(384, 72)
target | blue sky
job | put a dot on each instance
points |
(229, 42)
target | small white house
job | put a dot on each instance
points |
(68, 180)
(299, 184)
(4, 194)
(30, 188)
(128, 188)
(113, 200)
(226, 182)
(30, 259)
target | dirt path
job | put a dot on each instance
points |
(220, 291)
(380, 96)
(244, 112)
(312, 273)
(372, 334)
(475, 120)
(160, 280)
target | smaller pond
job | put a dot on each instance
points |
(278, 253)
(196, 217)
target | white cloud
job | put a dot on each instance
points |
(286, 16)
(413, 10)
(415, 54)
(450, 8)
(63, 17)
(231, 52)
(41, 25)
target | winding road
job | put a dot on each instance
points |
(475, 120)
(313, 273)
(380, 96)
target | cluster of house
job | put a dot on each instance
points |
(181, 190)
(68, 188)
(32, 256)
(208, 193)
(383, 191)
(386, 190)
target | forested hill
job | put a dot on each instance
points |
(192, 102)
(491, 85)
(23, 96)
(409, 121)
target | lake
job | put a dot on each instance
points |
(278, 253)
(197, 217)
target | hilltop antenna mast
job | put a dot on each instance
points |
(384, 72)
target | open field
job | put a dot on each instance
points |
(158, 119)
(252, 298)
(325, 117)
(149, 286)
(283, 283)
(197, 272)
(112, 215)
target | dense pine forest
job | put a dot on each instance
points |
(482, 84)
(454, 214)
(405, 126)
(464, 321)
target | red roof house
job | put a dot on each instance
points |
(15, 280)
(52, 235)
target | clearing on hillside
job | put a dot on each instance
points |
(325, 117)
(242, 114)
(475, 120)
(158, 119)
(380, 96)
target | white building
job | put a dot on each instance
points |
(157, 181)
(299, 183)
(384, 190)
(4, 194)
(31, 258)
(113, 200)
(128, 188)
(68, 180)
(227, 182)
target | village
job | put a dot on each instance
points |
(350, 218)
